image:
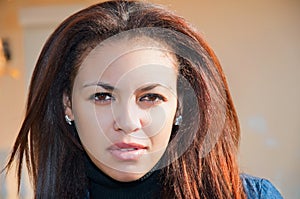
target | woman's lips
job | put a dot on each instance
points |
(127, 151)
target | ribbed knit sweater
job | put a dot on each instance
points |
(103, 186)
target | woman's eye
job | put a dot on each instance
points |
(152, 98)
(102, 97)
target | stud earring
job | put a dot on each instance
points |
(178, 120)
(68, 120)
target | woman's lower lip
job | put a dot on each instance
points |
(127, 155)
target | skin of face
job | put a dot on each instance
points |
(123, 105)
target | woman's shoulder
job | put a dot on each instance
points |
(259, 188)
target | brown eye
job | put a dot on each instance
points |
(102, 97)
(152, 98)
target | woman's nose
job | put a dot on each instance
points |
(128, 117)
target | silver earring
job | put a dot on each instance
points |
(68, 120)
(178, 120)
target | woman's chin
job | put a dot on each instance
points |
(125, 171)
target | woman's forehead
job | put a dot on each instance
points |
(136, 51)
(116, 47)
(122, 60)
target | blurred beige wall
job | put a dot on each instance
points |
(258, 44)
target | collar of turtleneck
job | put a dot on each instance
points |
(103, 186)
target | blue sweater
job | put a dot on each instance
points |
(258, 188)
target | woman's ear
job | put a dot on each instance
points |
(179, 106)
(178, 113)
(68, 106)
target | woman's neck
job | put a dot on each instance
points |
(103, 186)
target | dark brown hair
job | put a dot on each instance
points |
(53, 152)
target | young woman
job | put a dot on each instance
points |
(128, 101)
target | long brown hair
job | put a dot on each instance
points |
(52, 149)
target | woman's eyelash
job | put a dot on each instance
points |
(153, 97)
(102, 97)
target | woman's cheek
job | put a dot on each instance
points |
(87, 118)
(159, 130)
(95, 130)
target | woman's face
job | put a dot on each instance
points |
(123, 105)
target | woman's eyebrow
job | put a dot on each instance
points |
(150, 87)
(101, 84)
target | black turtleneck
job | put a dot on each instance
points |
(103, 186)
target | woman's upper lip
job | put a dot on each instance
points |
(123, 145)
